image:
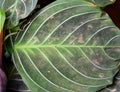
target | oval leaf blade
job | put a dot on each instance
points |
(67, 48)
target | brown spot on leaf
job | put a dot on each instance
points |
(80, 39)
(89, 26)
(51, 17)
(96, 61)
(101, 75)
(36, 39)
(92, 4)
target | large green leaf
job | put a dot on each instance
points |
(70, 46)
(17, 9)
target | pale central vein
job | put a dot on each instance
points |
(61, 46)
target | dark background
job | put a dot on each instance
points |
(114, 12)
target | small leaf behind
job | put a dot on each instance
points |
(2, 19)
(17, 9)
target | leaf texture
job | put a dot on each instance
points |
(70, 46)
(17, 9)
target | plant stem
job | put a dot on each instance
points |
(1, 48)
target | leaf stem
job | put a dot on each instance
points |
(1, 47)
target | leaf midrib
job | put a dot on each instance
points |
(62, 46)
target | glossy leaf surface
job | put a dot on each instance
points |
(69, 46)
(17, 9)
